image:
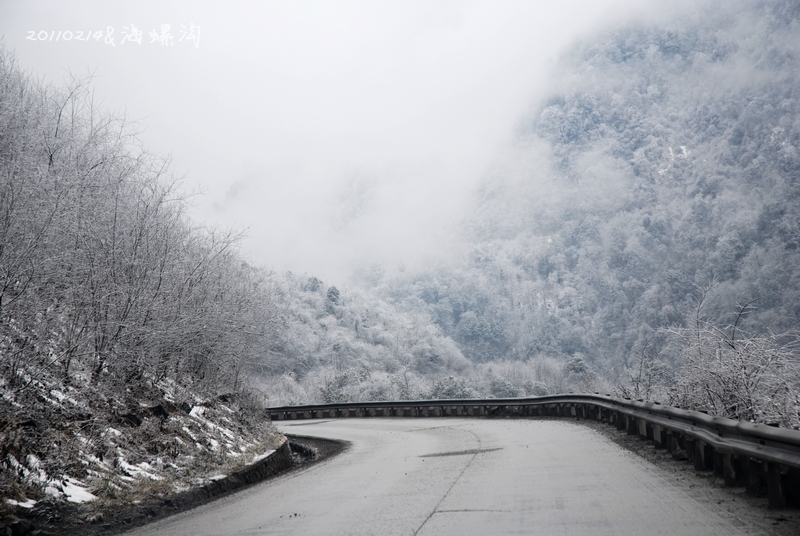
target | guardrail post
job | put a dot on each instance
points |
(774, 486)
(631, 425)
(792, 489)
(745, 477)
(658, 437)
(728, 469)
(673, 441)
(756, 481)
(704, 455)
(690, 448)
(717, 463)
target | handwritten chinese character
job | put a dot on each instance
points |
(132, 34)
(192, 34)
(165, 38)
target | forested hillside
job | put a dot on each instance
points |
(645, 219)
(348, 345)
(663, 165)
(124, 328)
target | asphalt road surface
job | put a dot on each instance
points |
(460, 476)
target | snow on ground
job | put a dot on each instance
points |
(76, 492)
(96, 449)
(30, 503)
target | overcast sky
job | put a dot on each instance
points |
(335, 133)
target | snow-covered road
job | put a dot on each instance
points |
(460, 476)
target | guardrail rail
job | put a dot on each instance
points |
(762, 458)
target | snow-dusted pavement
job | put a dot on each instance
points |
(460, 476)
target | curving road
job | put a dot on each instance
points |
(460, 476)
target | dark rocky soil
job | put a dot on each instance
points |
(51, 518)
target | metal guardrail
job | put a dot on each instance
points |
(764, 459)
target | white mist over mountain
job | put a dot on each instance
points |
(335, 134)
